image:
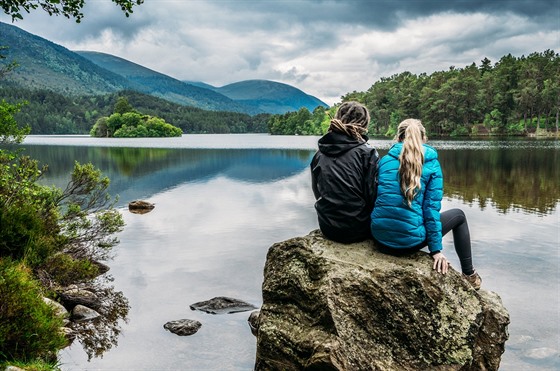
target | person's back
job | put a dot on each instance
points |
(343, 176)
(406, 216)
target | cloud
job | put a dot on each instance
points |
(327, 48)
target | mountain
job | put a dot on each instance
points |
(270, 96)
(46, 65)
(163, 86)
(43, 64)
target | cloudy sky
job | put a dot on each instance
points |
(326, 48)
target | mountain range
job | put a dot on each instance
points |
(46, 65)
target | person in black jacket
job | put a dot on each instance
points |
(344, 172)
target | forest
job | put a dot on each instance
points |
(48, 112)
(514, 96)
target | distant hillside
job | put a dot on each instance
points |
(270, 96)
(43, 64)
(266, 96)
(163, 86)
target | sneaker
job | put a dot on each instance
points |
(474, 279)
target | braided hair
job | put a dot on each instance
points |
(352, 119)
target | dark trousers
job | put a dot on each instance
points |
(451, 220)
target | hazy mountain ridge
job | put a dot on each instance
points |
(270, 96)
(46, 65)
(163, 86)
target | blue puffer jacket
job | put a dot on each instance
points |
(393, 222)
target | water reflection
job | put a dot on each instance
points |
(142, 172)
(507, 177)
(101, 334)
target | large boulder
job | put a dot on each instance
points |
(330, 306)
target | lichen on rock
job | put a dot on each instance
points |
(349, 307)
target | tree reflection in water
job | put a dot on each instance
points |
(101, 334)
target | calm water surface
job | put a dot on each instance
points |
(223, 200)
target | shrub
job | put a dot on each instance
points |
(29, 329)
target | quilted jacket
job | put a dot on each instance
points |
(393, 222)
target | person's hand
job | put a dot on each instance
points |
(440, 263)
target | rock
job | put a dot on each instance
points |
(330, 306)
(140, 207)
(13, 368)
(58, 308)
(221, 305)
(183, 327)
(254, 322)
(102, 268)
(82, 313)
(75, 296)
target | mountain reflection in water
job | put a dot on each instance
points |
(508, 178)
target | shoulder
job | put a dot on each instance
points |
(430, 153)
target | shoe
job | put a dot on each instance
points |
(474, 279)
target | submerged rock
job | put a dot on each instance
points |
(222, 305)
(183, 327)
(82, 313)
(140, 207)
(330, 306)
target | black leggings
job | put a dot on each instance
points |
(455, 220)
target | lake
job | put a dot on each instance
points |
(223, 200)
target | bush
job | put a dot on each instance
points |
(29, 329)
(66, 270)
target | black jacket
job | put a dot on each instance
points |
(344, 173)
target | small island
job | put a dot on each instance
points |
(125, 122)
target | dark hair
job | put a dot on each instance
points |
(352, 119)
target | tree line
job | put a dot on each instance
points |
(49, 112)
(514, 96)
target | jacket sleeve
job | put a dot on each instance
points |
(314, 177)
(370, 178)
(431, 207)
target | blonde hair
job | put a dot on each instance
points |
(412, 134)
(352, 119)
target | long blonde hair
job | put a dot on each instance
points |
(412, 134)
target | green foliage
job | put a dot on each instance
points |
(10, 132)
(134, 125)
(454, 102)
(46, 110)
(67, 8)
(301, 122)
(28, 215)
(122, 106)
(28, 327)
(66, 270)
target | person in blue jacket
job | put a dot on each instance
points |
(343, 173)
(406, 216)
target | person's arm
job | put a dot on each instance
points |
(431, 207)
(370, 178)
(314, 177)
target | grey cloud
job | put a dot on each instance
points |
(389, 14)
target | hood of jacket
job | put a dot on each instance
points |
(429, 152)
(334, 144)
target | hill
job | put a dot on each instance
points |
(270, 96)
(43, 64)
(163, 86)
(46, 65)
